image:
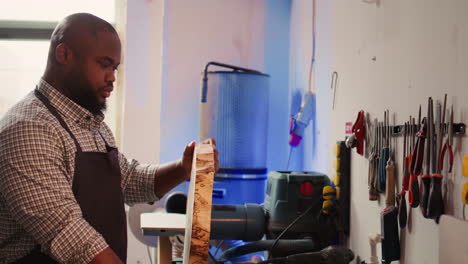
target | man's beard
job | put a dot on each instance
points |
(80, 92)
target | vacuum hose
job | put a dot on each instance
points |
(328, 255)
(284, 246)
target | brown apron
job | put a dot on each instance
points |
(96, 186)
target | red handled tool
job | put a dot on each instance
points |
(358, 134)
(447, 147)
(435, 206)
(416, 164)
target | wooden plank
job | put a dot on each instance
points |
(197, 230)
(164, 250)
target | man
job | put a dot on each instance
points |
(63, 182)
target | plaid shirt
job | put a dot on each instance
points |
(37, 158)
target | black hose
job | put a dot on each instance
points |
(204, 90)
(329, 255)
(284, 246)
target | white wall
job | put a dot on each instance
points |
(196, 32)
(310, 154)
(140, 135)
(168, 44)
(420, 51)
(276, 61)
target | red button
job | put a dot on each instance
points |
(307, 188)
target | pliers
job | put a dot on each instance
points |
(448, 145)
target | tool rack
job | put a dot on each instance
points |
(458, 129)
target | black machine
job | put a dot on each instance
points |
(293, 225)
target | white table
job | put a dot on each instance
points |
(163, 225)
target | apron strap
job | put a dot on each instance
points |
(108, 147)
(54, 112)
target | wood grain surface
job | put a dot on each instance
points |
(197, 230)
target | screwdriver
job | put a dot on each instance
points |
(389, 217)
(426, 178)
(384, 155)
(390, 169)
(416, 164)
(376, 159)
(373, 195)
(402, 214)
(436, 205)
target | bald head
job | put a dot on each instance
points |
(84, 54)
(75, 30)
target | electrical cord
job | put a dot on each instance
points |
(213, 258)
(273, 260)
(289, 157)
(288, 246)
(218, 247)
(289, 227)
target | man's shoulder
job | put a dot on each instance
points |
(27, 112)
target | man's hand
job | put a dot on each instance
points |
(187, 158)
(172, 174)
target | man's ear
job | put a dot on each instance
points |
(63, 54)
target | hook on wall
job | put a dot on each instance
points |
(334, 80)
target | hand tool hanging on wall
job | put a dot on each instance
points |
(465, 166)
(426, 178)
(416, 164)
(377, 158)
(390, 168)
(389, 217)
(375, 181)
(447, 147)
(418, 152)
(402, 211)
(384, 155)
(368, 137)
(373, 195)
(464, 194)
(359, 131)
(435, 205)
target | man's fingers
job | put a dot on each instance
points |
(189, 149)
(213, 142)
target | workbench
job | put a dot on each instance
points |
(163, 225)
